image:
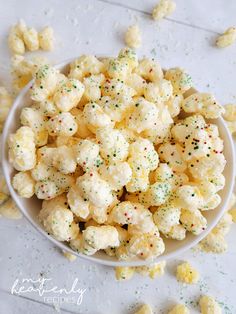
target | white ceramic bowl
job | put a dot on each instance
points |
(30, 207)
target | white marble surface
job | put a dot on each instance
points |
(97, 26)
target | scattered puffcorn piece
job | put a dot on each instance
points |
(231, 126)
(4, 192)
(23, 69)
(215, 241)
(179, 309)
(31, 39)
(230, 117)
(153, 270)
(124, 273)
(3, 197)
(69, 256)
(22, 38)
(230, 112)
(186, 273)
(46, 38)
(133, 37)
(232, 212)
(8, 207)
(208, 305)
(15, 38)
(5, 104)
(227, 38)
(163, 9)
(145, 309)
(9, 210)
(224, 225)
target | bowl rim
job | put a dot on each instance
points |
(62, 245)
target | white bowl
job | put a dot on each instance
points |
(30, 207)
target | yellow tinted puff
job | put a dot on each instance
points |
(187, 274)
(124, 273)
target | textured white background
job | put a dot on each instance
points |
(97, 26)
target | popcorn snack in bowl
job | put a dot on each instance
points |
(119, 161)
